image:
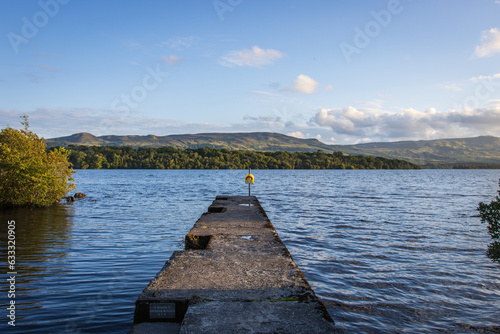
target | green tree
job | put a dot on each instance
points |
(97, 157)
(490, 213)
(29, 175)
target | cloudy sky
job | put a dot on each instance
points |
(341, 71)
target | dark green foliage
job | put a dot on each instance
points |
(479, 152)
(490, 213)
(113, 157)
(30, 176)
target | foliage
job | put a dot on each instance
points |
(29, 175)
(490, 213)
(479, 152)
(113, 157)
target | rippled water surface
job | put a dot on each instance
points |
(387, 251)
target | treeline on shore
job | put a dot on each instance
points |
(461, 166)
(123, 157)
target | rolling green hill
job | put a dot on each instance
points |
(481, 151)
(476, 152)
(255, 141)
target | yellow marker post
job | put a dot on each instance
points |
(250, 180)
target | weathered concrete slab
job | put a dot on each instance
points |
(156, 328)
(235, 275)
(254, 317)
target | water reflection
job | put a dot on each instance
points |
(42, 238)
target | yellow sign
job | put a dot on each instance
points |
(249, 179)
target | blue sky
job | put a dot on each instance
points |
(341, 71)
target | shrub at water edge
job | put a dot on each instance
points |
(29, 175)
(490, 213)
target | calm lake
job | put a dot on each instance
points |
(387, 251)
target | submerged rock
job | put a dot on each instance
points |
(75, 197)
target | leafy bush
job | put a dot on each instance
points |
(490, 213)
(29, 175)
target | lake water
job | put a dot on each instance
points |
(386, 251)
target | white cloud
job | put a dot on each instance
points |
(410, 124)
(172, 59)
(133, 44)
(373, 105)
(490, 43)
(52, 122)
(33, 77)
(263, 123)
(297, 134)
(260, 92)
(305, 84)
(343, 121)
(256, 57)
(57, 122)
(340, 125)
(450, 86)
(180, 42)
(485, 78)
(328, 87)
(49, 68)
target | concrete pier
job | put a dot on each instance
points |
(235, 276)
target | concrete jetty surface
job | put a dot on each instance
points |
(235, 276)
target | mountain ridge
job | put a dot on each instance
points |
(259, 141)
(440, 153)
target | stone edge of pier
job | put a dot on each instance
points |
(234, 275)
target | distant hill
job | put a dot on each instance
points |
(441, 153)
(254, 141)
(457, 152)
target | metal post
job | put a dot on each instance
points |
(249, 183)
